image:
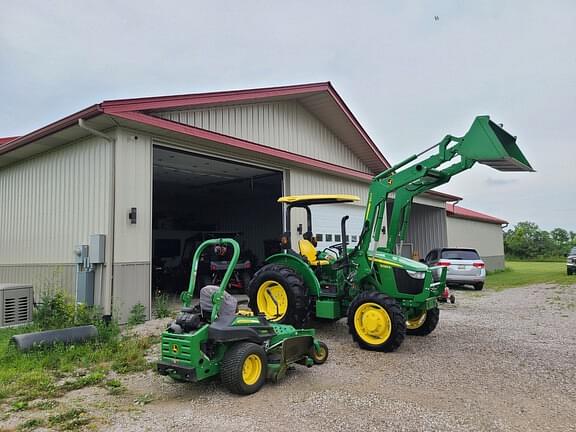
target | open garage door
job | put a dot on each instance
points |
(196, 198)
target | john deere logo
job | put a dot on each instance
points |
(175, 348)
(389, 181)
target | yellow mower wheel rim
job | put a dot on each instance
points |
(251, 369)
(372, 323)
(320, 355)
(417, 321)
(265, 303)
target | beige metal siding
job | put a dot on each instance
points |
(131, 286)
(286, 125)
(132, 242)
(133, 189)
(53, 202)
(43, 277)
(486, 238)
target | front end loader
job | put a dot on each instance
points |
(384, 295)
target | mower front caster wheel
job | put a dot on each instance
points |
(243, 369)
(319, 356)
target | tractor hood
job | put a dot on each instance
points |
(391, 260)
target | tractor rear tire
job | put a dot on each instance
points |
(376, 322)
(428, 325)
(293, 298)
(243, 369)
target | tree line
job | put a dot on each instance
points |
(527, 240)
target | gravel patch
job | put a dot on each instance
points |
(501, 361)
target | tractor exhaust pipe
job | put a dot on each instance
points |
(344, 241)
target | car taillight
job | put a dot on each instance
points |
(479, 265)
(444, 263)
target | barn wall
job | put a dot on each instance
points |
(51, 203)
(286, 125)
(486, 238)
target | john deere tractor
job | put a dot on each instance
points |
(385, 296)
(214, 338)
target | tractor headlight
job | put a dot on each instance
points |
(416, 274)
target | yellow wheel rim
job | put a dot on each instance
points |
(372, 323)
(267, 293)
(251, 369)
(417, 321)
(320, 354)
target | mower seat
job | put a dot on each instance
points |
(308, 251)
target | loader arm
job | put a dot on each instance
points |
(485, 143)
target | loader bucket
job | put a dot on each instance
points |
(489, 144)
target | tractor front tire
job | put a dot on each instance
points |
(376, 322)
(280, 284)
(426, 325)
(243, 369)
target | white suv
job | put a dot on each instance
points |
(571, 262)
(464, 266)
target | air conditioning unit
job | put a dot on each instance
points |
(16, 301)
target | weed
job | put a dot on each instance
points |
(19, 406)
(85, 381)
(115, 387)
(144, 399)
(161, 305)
(69, 420)
(46, 405)
(31, 424)
(137, 314)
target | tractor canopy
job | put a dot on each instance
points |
(489, 144)
(306, 200)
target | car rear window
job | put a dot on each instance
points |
(573, 251)
(460, 254)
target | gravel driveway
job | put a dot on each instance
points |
(497, 362)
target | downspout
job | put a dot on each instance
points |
(107, 291)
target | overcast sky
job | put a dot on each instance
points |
(408, 77)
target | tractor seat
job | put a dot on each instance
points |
(308, 250)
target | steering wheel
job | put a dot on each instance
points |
(335, 249)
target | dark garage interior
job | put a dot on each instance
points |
(197, 198)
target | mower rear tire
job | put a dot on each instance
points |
(243, 369)
(279, 283)
(376, 322)
(426, 325)
(319, 356)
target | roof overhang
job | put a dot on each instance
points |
(321, 99)
(464, 213)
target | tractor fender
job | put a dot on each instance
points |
(300, 267)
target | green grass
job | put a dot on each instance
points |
(521, 273)
(51, 372)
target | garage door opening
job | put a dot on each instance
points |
(197, 198)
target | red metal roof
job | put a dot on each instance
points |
(359, 139)
(453, 210)
(7, 139)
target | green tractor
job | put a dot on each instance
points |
(214, 339)
(384, 296)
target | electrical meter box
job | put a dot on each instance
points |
(97, 249)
